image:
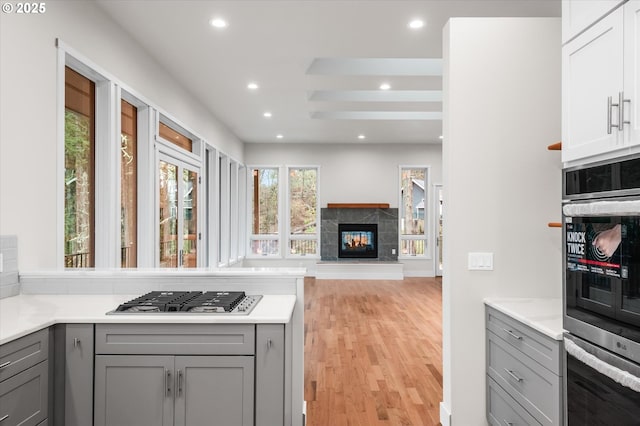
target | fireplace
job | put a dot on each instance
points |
(358, 240)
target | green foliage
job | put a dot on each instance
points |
(77, 180)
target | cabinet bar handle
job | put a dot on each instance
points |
(5, 417)
(179, 382)
(167, 382)
(506, 423)
(621, 102)
(512, 334)
(6, 364)
(76, 342)
(610, 106)
(512, 374)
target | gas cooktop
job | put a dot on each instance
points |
(190, 302)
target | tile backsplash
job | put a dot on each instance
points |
(9, 283)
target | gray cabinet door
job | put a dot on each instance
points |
(270, 374)
(78, 378)
(23, 397)
(134, 390)
(214, 390)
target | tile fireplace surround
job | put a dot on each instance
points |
(386, 218)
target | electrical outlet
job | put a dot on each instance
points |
(393, 251)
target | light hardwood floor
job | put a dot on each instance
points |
(373, 352)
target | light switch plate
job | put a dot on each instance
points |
(480, 261)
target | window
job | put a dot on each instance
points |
(175, 137)
(128, 185)
(264, 212)
(178, 195)
(303, 211)
(413, 211)
(131, 185)
(79, 171)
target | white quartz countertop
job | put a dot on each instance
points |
(24, 314)
(544, 315)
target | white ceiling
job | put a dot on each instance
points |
(319, 64)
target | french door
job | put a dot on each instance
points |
(178, 188)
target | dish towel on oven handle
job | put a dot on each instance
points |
(625, 378)
(603, 208)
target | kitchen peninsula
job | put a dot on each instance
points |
(94, 367)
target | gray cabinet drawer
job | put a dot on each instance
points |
(23, 397)
(503, 410)
(535, 388)
(532, 343)
(175, 339)
(25, 352)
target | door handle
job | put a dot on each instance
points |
(3, 418)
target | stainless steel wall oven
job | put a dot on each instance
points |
(601, 212)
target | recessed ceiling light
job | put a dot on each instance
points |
(385, 86)
(416, 24)
(267, 114)
(218, 23)
(362, 137)
(252, 86)
(279, 136)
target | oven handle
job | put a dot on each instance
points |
(615, 373)
(603, 208)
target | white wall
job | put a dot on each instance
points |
(28, 145)
(354, 173)
(501, 185)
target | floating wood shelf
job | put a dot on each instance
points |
(358, 205)
(554, 225)
(555, 146)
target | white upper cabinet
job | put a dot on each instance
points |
(600, 87)
(577, 15)
(632, 72)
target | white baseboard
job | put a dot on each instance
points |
(445, 415)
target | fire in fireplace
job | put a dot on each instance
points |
(358, 240)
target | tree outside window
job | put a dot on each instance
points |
(303, 211)
(413, 206)
(79, 176)
(265, 239)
